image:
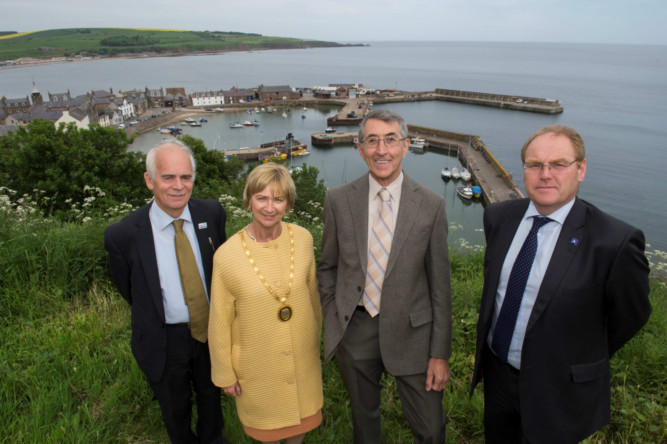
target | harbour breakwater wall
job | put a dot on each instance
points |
(496, 182)
(503, 101)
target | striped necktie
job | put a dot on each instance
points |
(378, 253)
(193, 287)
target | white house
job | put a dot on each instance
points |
(207, 98)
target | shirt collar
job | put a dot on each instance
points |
(559, 215)
(394, 188)
(162, 220)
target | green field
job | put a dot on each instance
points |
(112, 42)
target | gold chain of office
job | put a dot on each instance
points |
(285, 311)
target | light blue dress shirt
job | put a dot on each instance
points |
(175, 308)
(546, 241)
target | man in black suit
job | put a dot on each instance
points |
(144, 267)
(543, 345)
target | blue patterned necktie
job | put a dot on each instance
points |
(516, 286)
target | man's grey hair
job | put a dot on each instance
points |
(167, 144)
(386, 116)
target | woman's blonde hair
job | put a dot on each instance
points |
(265, 174)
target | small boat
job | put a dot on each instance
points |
(330, 129)
(256, 109)
(300, 152)
(272, 157)
(465, 192)
(189, 120)
(476, 192)
(417, 143)
(255, 122)
(456, 175)
(446, 174)
(465, 174)
(284, 115)
(203, 120)
(303, 116)
(262, 110)
(236, 124)
(247, 123)
(219, 110)
(194, 124)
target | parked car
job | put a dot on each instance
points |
(121, 126)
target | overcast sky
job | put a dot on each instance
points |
(587, 21)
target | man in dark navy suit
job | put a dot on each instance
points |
(144, 267)
(565, 286)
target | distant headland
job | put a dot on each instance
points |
(78, 44)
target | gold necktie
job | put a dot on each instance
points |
(378, 253)
(193, 287)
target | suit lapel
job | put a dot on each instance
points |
(146, 251)
(357, 200)
(407, 213)
(568, 244)
(202, 227)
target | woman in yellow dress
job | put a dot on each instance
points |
(265, 321)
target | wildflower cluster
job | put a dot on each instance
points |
(657, 260)
(21, 208)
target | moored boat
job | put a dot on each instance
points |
(456, 175)
(417, 143)
(465, 174)
(465, 192)
(445, 173)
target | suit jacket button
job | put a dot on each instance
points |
(347, 318)
(359, 289)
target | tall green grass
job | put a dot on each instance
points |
(67, 373)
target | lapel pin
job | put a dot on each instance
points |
(202, 225)
(574, 241)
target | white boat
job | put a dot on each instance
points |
(284, 115)
(465, 174)
(330, 129)
(189, 120)
(255, 122)
(236, 124)
(465, 192)
(446, 174)
(256, 109)
(195, 124)
(219, 110)
(247, 123)
(417, 143)
(456, 175)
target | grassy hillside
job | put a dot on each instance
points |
(119, 41)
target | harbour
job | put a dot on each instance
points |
(614, 95)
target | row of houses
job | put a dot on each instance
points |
(109, 109)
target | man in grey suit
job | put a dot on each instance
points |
(385, 288)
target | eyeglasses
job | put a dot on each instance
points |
(390, 141)
(558, 167)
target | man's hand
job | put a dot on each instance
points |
(437, 375)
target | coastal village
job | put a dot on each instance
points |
(138, 111)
